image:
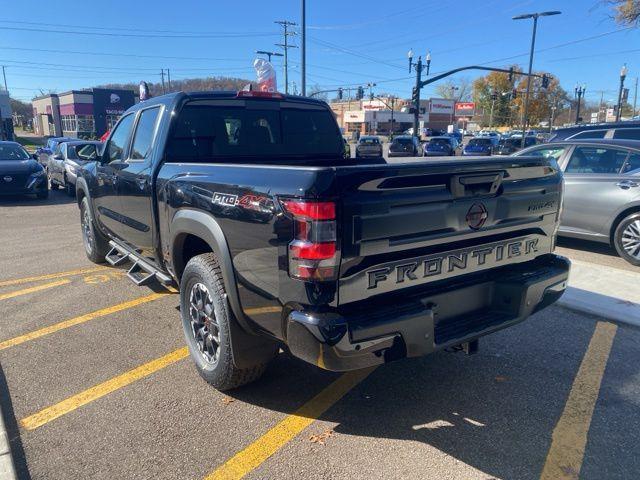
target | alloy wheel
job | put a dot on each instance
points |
(631, 239)
(204, 325)
(87, 231)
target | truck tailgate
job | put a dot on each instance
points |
(408, 225)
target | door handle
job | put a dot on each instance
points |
(626, 184)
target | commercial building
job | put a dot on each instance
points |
(80, 113)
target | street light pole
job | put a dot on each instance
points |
(579, 92)
(419, 66)
(623, 75)
(535, 16)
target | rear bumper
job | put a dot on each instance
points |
(420, 323)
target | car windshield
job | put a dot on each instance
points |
(438, 141)
(510, 142)
(402, 141)
(483, 142)
(13, 152)
(369, 141)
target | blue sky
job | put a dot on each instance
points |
(349, 43)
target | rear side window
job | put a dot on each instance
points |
(205, 132)
(596, 160)
(589, 134)
(627, 133)
(143, 138)
(633, 163)
(118, 141)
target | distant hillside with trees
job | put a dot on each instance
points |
(186, 85)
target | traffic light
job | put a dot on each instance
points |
(510, 74)
(514, 94)
(371, 96)
(340, 94)
(359, 93)
(414, 95)
(494, 96)
(545, 81)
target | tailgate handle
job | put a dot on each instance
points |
(469, 185)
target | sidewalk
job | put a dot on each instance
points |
(7, 470)
(604, 291)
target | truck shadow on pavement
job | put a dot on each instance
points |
(55, 198)
(494, 411)
(594, 247)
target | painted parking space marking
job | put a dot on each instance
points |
(51, 276)
(74, 402)
(569, 438)
(12, 342)
(255, 454)
(38, 288)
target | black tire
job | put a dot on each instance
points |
(627, 229)
(218, 369)
(96, 246)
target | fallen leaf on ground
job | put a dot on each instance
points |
(500, 378)
(228, 400)
(321, 438)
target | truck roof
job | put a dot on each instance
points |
(171, 98)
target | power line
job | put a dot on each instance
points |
(285, 24)
(140, 35)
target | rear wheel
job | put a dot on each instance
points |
(626, 238)
(206, 321)
(96, 245)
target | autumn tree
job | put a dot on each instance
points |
(500, 84)
(541, 99)
(627, 12)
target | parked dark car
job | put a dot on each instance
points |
(510, 145)
(20, 173)
(43, 153)
(602, 191)
(629, 130)
(356, 264)
(67, 158)
(369, 146)
(441, 146)
(405, 146)
(480, 146)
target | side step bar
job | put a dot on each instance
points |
(141, 272)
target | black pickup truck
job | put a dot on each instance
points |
(246, 203)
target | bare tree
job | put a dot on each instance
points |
(459, 89)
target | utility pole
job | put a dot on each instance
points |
(303, 49)
(268, 54)
(162, 76)
(494, 97)
(4, 74)
(285, 25)
(169, 79)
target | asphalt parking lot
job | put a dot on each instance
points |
(95, 383)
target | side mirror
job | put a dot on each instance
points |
(35, 156)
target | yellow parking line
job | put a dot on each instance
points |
(25, 291)
(569, 438)
(12, 342)
(18, 281)
(76, 401)
(255, 454)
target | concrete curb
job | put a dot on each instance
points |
(604, 291)
(7, 468)
(615, 309)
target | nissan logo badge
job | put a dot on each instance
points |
(477, 215)
(8, 179)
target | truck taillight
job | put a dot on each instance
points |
(313, 253)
